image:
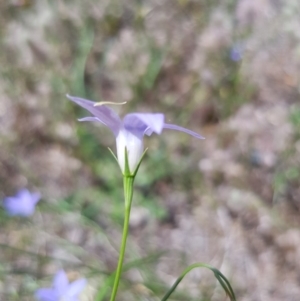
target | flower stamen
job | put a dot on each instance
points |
(102, 103)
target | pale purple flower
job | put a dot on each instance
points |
(237, 52)
(61, 289)
(22, 204)
(130, 131)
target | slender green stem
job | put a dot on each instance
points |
(128, 192)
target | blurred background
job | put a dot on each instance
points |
(228, 70)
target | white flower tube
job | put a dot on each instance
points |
(134, 146)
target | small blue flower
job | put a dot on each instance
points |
(61, 289)
(130, 131)
(22, 204)
(237, 52)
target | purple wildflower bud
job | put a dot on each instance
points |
(61, 289)
(130, 131)
(22, 204)
(236, 52)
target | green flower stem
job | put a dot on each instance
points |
(128, 192)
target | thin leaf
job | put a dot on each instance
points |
(220, 277)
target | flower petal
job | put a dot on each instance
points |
(145, 123)
(23, 193)
(46, 294)
(11, 206)
(22, 204)
(133, 142)
(28, 199)
(60, 282)
(75, 288)
(106, 115)
(181, 129)
(91, 119)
